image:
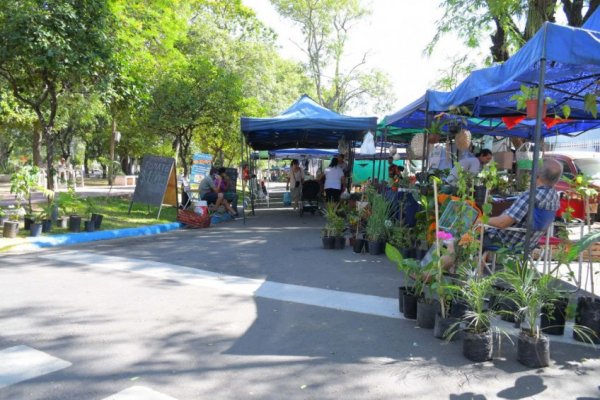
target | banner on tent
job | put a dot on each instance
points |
(200, 167)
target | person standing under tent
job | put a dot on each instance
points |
(334, 181)
(294, 182)
(472, 165)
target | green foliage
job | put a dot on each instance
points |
(401, 236)
(380, 213)
(68, 201)
(23, 182)
(335, 224)
(590, 104)
(475, 293)
(528, 93)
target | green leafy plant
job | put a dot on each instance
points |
(377, 228)
(68, 201)
(590, 103)
(528, 93)
(334, 225)
(410, 267)
(91, 206)
(475, 292)
(23, 182)
(401, 237)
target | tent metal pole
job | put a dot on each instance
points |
(425, 140)
(537, 134)
(243, 184)
(380, 154)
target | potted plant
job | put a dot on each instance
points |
(529, 291)
(527, 99)
(10, 228)
(22, 183)
(478, 344)
(334, 228)
(409, 293)
(94, 219)
(401, 238)
(36, 224)
(68, 202)
(377, 224)
(427, 305)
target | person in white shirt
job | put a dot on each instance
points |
(334, 181)
(472, 165)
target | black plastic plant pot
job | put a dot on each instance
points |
(426, 313)
(35, 229)
(406, 253)
(46, 225)
(420, 253)
(553, 323)
(402, 290)
(458, 308)
(97, 218)
(75, 223)
(446, 328)
(505, 307)
(359, 245)
(376, 247)
(27, 223)
(588, 316)
(533, 352)
(328, 242)
(89, 226)
(10, 229)
(410, 306)
(339, 242)
(478, 347)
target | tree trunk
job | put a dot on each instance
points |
(49, 157)
(37, 146)
(499, 46)
(112, 151)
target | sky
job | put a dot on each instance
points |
(394, 37)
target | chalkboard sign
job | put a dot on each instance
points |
(156, 185)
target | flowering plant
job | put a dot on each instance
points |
(444, 235)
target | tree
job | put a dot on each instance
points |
(47, 48)
(510, 23)
(326, 25)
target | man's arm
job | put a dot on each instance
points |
(501, 221)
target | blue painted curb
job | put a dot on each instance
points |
(83, 237)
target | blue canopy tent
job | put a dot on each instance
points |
(283, 153)
(563, 62)
(305, 124)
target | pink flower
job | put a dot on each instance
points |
(444, 235)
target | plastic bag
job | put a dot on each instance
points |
(368, 144)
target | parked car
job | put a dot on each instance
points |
(575, 163)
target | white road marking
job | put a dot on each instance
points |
(139, 393)
(20, 363)
(346, 301)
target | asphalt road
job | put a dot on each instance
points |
(240, 311)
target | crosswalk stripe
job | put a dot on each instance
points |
(139, 393)
(338, 300)
(20, 363)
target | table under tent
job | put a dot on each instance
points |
(306, 125)
(562, 62)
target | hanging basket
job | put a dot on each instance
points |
(463, 140)
(416, 145)
(532, 109)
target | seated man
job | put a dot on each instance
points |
(546, 200)
(210, 192)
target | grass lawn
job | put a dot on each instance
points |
(115, 210)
